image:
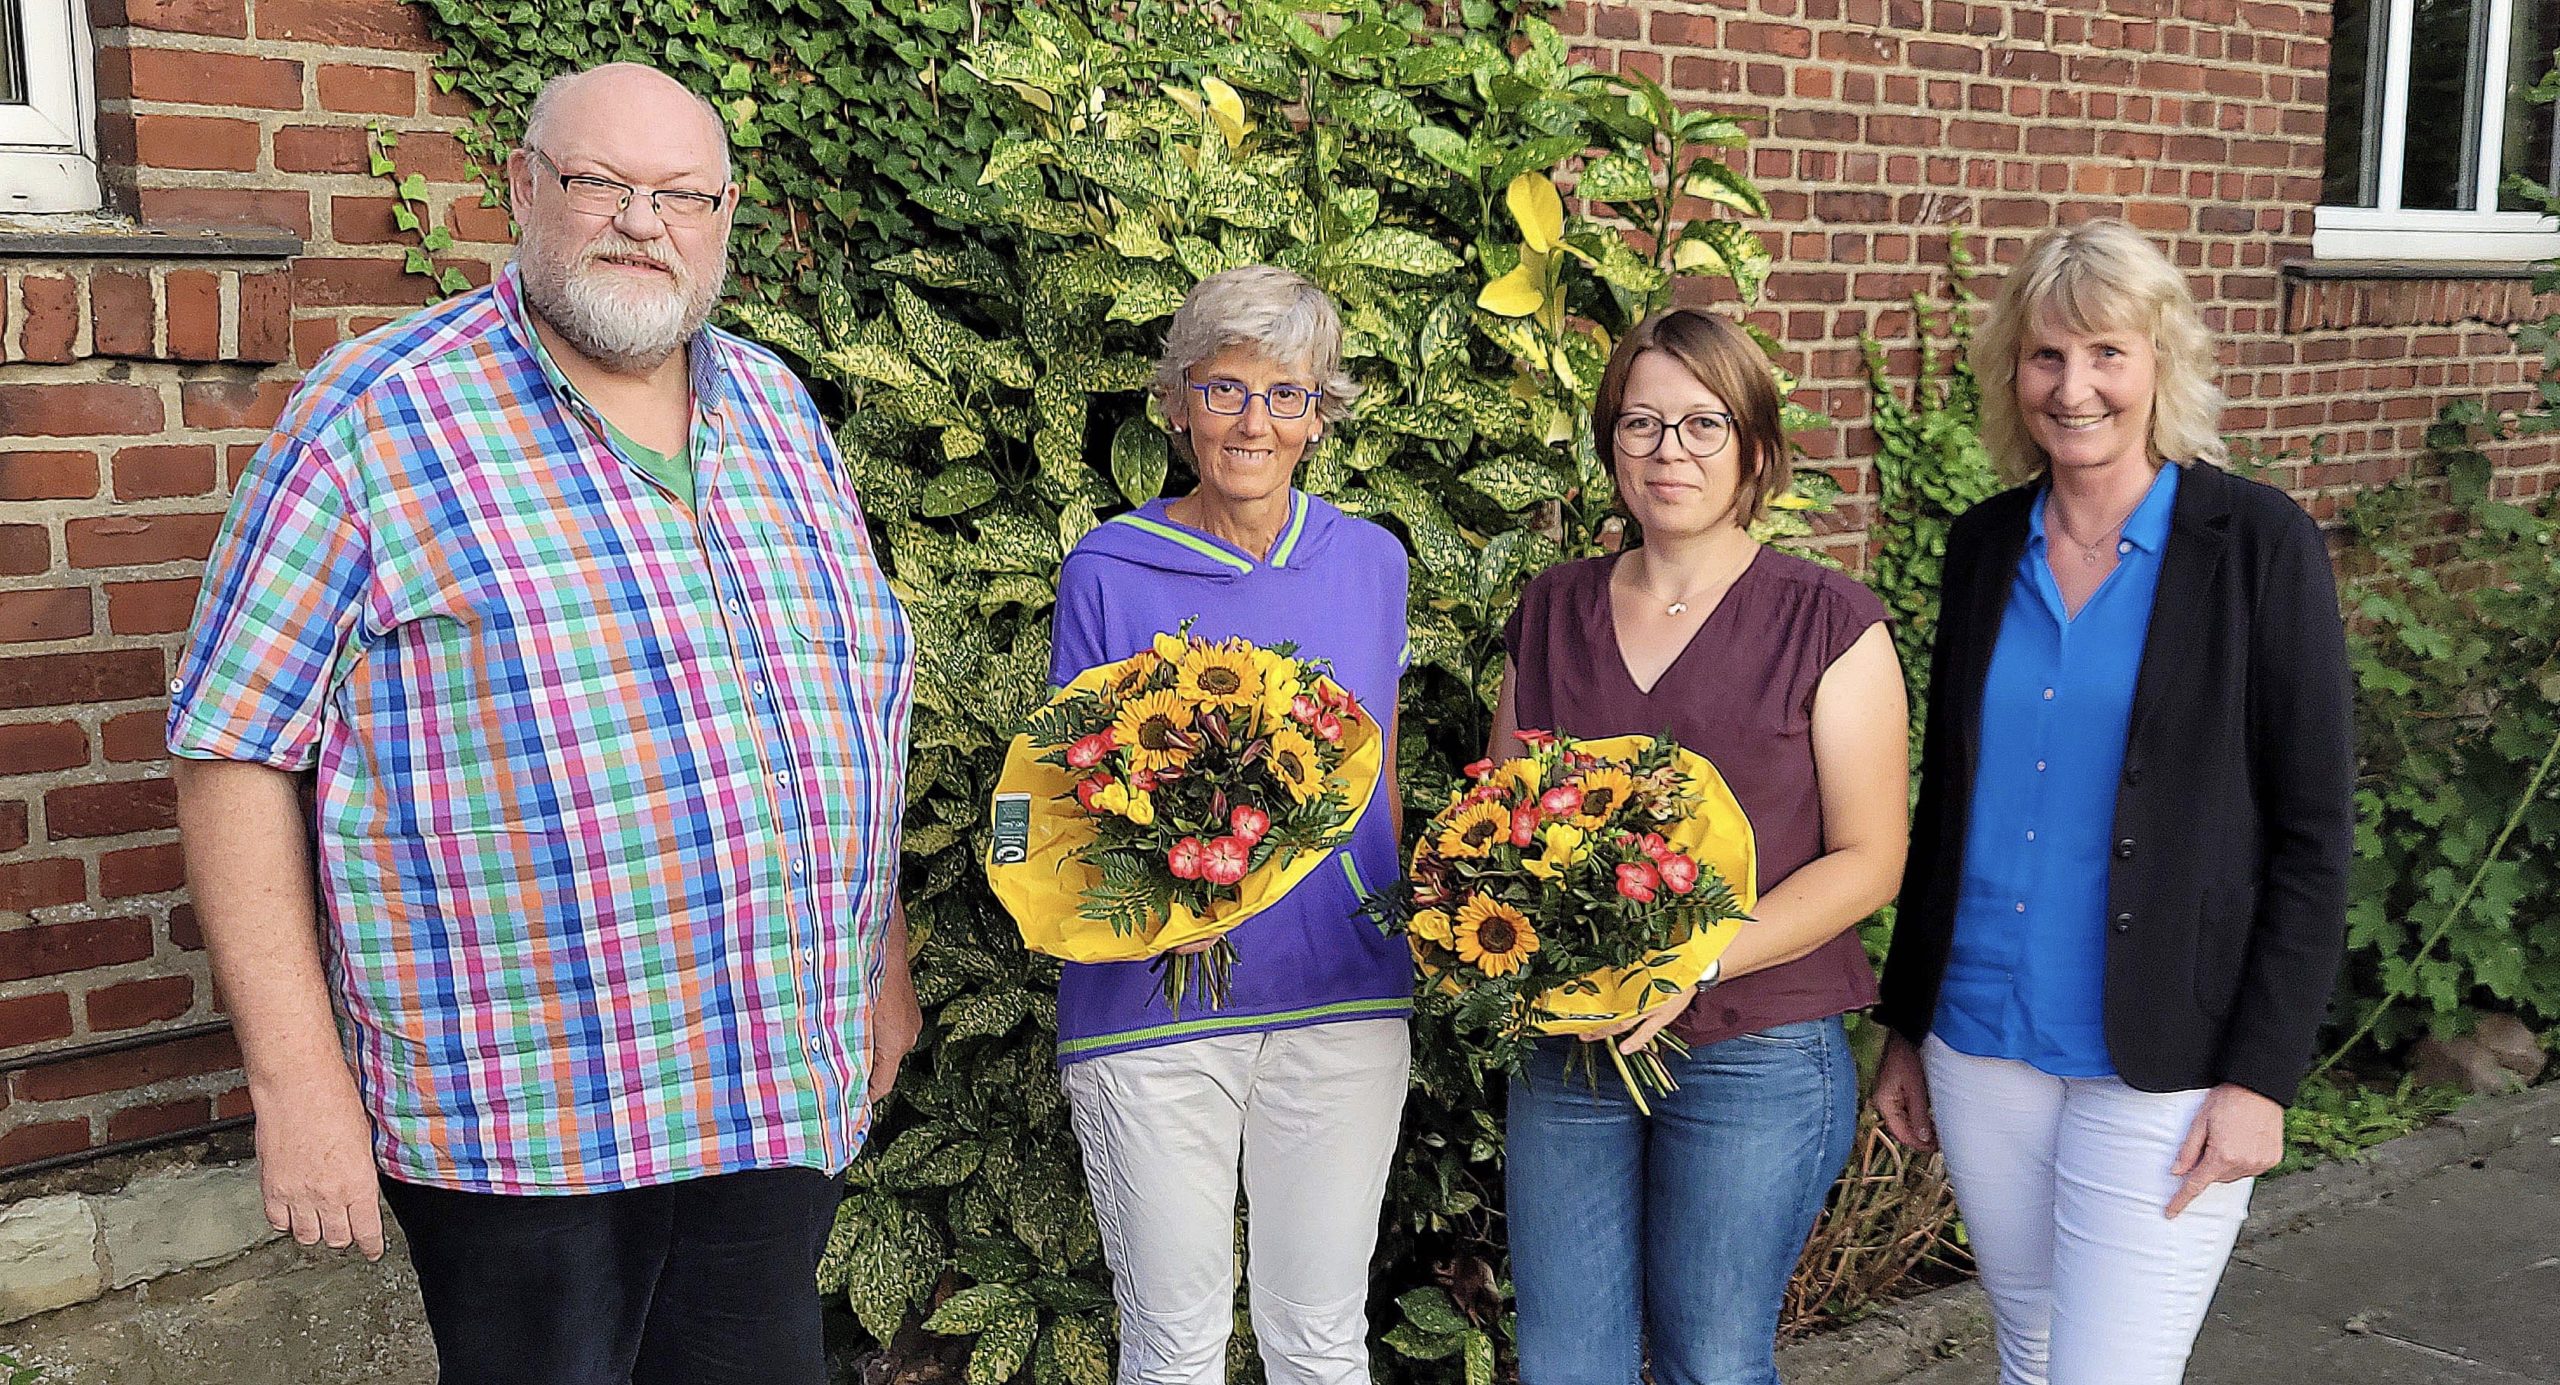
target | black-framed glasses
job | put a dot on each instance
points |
(1702, 434)
(596, 196)
(1232, 397)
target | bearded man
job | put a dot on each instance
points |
(587, 956)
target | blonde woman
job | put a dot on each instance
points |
(2126, 892)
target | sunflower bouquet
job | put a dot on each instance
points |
(1161, 800)
(1571, 889)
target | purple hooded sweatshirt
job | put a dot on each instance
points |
(1335, 587)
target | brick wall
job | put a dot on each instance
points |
(139, 365)
(135, 377)
(2200, 121)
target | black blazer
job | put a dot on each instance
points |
(2227, 894)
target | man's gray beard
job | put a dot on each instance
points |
(616, 332)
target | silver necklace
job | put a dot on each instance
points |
(1674, 608)
(2091, 550)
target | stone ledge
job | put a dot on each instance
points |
(74, 237)
(68, 1248)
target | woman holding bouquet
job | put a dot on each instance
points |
(1300, 1074)
(2127, 889)
(1672, 1236)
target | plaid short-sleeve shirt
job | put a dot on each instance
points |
(608, 789)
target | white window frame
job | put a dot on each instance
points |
(49, 143)
(2392, 232)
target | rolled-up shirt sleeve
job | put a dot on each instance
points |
(282, 606)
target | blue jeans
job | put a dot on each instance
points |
(1671, 1237)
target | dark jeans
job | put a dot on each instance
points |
(709, 1281)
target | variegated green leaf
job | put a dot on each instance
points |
(1710, 180)
(1617, 177)
(1515, 482)
(1140, 458)
(1399, 251)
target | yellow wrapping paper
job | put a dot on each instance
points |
(1718, 835)
(1044, 890)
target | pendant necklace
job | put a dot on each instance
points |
(2092, 549)
(1678, 607)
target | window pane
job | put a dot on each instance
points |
(2527, 151)
(13, 57)
(2355, 105)
(2442, 159)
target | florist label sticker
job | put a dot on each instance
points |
(1013, 828)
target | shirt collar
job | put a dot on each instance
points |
(702, 353)
(2147, 528)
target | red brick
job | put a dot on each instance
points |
(220, 18)
(32, 1019)
(189, 77)
(346, 23)
(478, 224)
(196, 141)
(440, 157)
(57, 949)
(141, 870)
(70, 680)
(163, 470)
(347, 283)
(233, 403)
(1675, 30)
(122, 315)
(28, 1143)
(134, 540)
(40, 747)
(321, 149)
(1769, 40)
(265, 322)
(111, 809)
(132, 1004)
(193, 299)
(363, 221)
(369, 90)
(166, 1118)
(443, 102)
(48, 475)
(47, 613)
(234, 1102)
(137, 1067)
(49, 308)
(13, 825)
(159, 607)
(280, 208)
(185, 932)
(69, 410)
(134, 737)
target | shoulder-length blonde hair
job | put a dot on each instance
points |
(2100, 276)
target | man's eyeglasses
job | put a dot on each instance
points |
(1702, 434)
(596, 196)
(1231, 397)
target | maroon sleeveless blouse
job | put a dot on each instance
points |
(1740, 694)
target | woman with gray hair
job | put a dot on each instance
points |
(2126, 893)
(1300, 1077)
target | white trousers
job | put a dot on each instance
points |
(1312, 1115)
(2064, 1183)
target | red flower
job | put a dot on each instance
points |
(1087, 787)
(1302, 708)
(1536, 737)
(1144, 781)
(1184, 859)
(1637, 880)
(1562, 801)
(1653, 846)
(1224, 861)
(1250, 824)
(1680, 873)
(1478, 770)
(1524, 825)
(1328, 728)
(1088, 752)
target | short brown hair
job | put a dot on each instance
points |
(1724, 358)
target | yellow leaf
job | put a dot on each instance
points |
(1226, 108)
(1539, 209)
(1790, 501)
(1519, 293)
(1186, 98)
(1034, 95)
(1692, 255)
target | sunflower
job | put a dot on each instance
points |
(1294, 764)
(1475, 831)
(1154, 729)
(1604, 791)
(1219, 675)
(1493, 936)
(1133, 675)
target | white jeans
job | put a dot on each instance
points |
(2063, 1183)
(1312, 1113)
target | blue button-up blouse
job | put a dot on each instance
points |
(2026, 976)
